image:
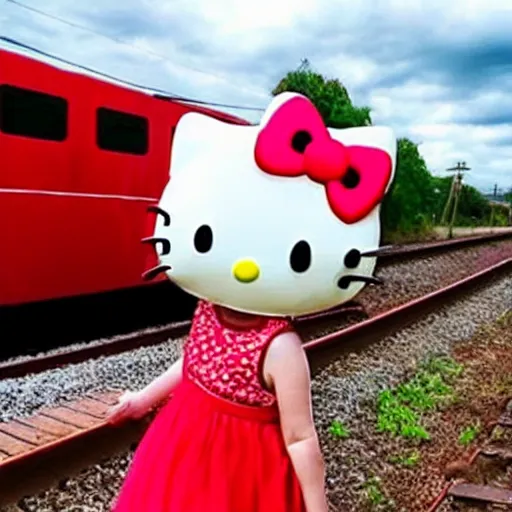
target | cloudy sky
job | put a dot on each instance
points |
(437, 71)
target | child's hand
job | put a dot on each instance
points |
(131, 405)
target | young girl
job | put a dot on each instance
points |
(238, 434)
(260, 224)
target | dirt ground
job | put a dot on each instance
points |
(474, 391)
(481, 393)
(442, 232)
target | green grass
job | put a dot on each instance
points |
(400, 409)
(375, 494)
(408, 460)
(338, 429)
(469, 434)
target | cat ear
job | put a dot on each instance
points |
(193, 133)
(276, 103)
(378, 137)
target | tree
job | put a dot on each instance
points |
(473, 207)
(410, 204)
(416, 199)
(328, 95)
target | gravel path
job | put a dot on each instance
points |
(345, 391)
(463, 232)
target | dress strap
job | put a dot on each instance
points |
(275, 328)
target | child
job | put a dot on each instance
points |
(238, 428)
(238, 433)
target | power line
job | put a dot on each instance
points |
(123, 42)
(162, 92)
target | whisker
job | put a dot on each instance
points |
(166, 245)
(163, 213)
(155, 271)
(376, 252)
(345, 281)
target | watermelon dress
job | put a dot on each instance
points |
(216, 446)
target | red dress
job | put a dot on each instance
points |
(216, 446)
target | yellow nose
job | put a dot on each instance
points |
(246, 271)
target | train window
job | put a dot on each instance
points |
(121, 132)
(30, 113)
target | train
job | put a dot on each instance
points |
(81, 160)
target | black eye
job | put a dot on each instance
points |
(300, 140)
(351, 178)
(203, 239)
(352, 258)
(300, 257)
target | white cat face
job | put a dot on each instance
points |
(272, 219)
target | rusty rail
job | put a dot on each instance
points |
(396, 254)
(161, 335)
(130, 342)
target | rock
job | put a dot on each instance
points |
(457, 469)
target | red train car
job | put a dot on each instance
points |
(81, 159)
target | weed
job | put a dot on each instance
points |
(469, 434)
(397, 418)
(338, 429)
(505, 319)
(375, 495)
(408, 460)
(503, 385)
(444, 366)
(498, 433)
(399, 410)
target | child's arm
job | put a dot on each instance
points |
(287, 370)
(136, 404)
(163, 385)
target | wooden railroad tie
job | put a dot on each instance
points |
(22, 436)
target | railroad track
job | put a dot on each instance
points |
(462, 492)
(348, 314)
(36, 451)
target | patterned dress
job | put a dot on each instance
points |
(216, 446)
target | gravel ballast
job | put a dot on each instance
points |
(345, 390)
(411, 279)
(403, 281)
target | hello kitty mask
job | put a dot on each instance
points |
(273, 219)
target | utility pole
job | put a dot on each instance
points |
(446, 210)
(454, 195)
(510, 209)
(495, 194)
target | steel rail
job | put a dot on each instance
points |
(156, 336)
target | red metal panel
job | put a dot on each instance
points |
(32, 163)
(77, 164)
(111, 172)
(66, 245)
(62, 246)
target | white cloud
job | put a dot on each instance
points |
(437, 71)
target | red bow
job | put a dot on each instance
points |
(295, 142)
